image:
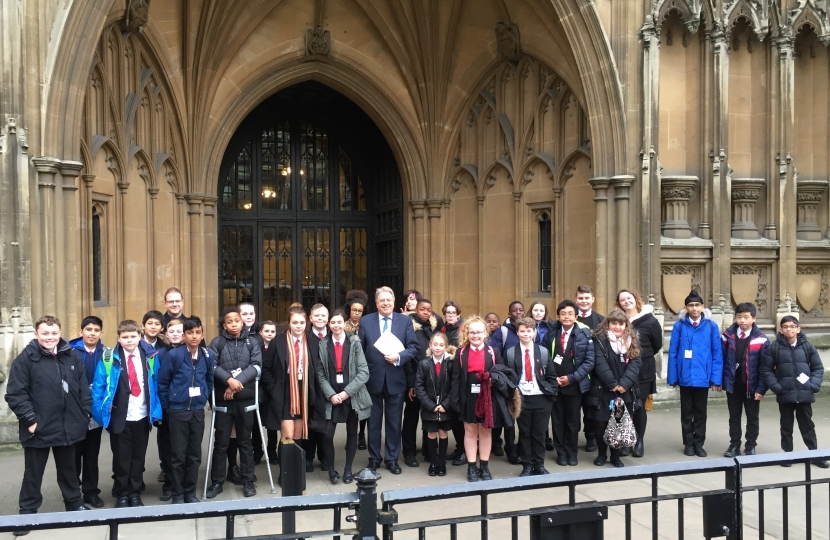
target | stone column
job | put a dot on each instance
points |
(85, 223)
(676, 192)
(745, 193)
(482, 242)
(419, 263)
(70, 266)
(194, 212)
(720, 195)
(210, 260)
(788, 204)
(808, 198)
(437, 254)
(120, 250)
(622, 188)
(47, 168)
(601, 186)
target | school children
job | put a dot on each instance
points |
(238, 362)
(433, 386)
(91, 349)
(744, 345)
(185, 382)
(267, 332)
(318, 317)
(152, 325)
(502, 339)
(452, 327)
(538, 388)
(125, 402)
(174, 333)
(696, 366)
(584, 300)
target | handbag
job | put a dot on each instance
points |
(620, 432)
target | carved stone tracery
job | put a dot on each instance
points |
(808, 197)
(745, 193)
(675, 193)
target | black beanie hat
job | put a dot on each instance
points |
(693, 297)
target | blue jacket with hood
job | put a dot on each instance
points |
(105, 383)
(90, 359)
(702, 365)
(755, 350)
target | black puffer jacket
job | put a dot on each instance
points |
(651, 341)
(451, 330)
(609, 372)
(423, 332)
(231, 353)
(782, 364)
(35, 393)
(430, 389)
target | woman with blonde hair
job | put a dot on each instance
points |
(616, 369)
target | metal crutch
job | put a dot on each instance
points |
(262, 432)
(213, 409)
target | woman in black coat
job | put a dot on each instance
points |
(616, 374)
(650, 335)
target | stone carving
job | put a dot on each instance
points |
(507, 40)
(813, 293)
(136, 15)
(678, 280)
(317, 41)
(808, 197)
(757, 12)
(811, 13)
(750, 283)
(675, 193)
(745, 193)
(689, 11)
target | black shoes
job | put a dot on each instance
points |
(191, 498)
(573, 461)
(258, 457)
(700, 452)
(472, 473)
(527, 470)
(249, 489)
(461, 459)
(162, 477)
(235, 476)
(689, 450)
(348, 477)
(309, 466)
(617, 462)
(485, 472)
(442, 470)
(540, 470)
(590, 444)
(393, 467)
(324, 466)
(821, 464)
(433, 470)
(361, 441)
(514, 459)
(639, 449)
(732, 451)
(601, 460)
(498, 451)
(177, 499)
(749, 451)
(411, 461)
(214, 490)
(334, 477)
(122, 502)
(135, 502)
(562, 460)
(166, 494)
(625, 451)
(549, 444)
(373, 465)
(94, 501)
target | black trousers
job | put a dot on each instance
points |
(738, 402)
(409, 429)
(243, 422)
(185, 454)
(351, 442)
(804, 414)
(533, 422)
(566, 411)
(313, 445)
(34, 467)
(129, 448)
(387, 409)
(458, 434)
(509, 442)
(693, 402)
(587, 421)
(163, 443)
(86, 461)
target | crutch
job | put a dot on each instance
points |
(213, 409)
(262, 432)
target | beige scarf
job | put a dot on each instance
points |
(298, 408)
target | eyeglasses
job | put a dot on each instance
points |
(789, 327)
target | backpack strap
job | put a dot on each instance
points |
(503, 336)
(106, 358)
(220, 344)
(509, 355)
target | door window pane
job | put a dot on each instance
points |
(314, 149)
(545, 258)
(276, 273)
(237, 264)
(351, 195)
(353, 267)
(237, 191)
(276, 168)
(316, 266)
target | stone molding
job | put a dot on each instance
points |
(745, 193)
(809, 194)
(675, 194)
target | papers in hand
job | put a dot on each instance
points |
(388, 344)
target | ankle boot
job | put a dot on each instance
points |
(431, 447)
(472, 472)
(485, 471)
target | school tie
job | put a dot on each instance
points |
(338, 357)
(528, 367)
(694, 324)
(741, 336)
(438, 370)
(562, 341)
(385, 324)
(320, 335)
(583, 314)
(135, 389)
(297, 350)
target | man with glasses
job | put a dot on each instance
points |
(387, 380)
(173, 304)
(793, 371)
(696, 366)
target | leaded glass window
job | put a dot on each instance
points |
(314, 180)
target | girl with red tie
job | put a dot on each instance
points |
(433, 385)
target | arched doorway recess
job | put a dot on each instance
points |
(310, 204)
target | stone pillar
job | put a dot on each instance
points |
(120, 250)
(622, 185)
(418, 230)
(808, 198)
(675, 193)
(85, 259)
(721, 218)
(482, 243)
(70, 265)
(210, 261)
(47, 168)
(194, 212)
(437, 254)
(788, 206)
(601, 186)
(745, 193)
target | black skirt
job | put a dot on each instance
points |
(432, 426)
(469, 415)
(286, 403)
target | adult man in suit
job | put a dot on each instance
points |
(387, 380)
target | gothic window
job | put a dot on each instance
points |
(237, 264)
(97, 281)
(276, 167)
(351, 195)
(353, 261)
(545, 257)
(316, 246)
(237, 190)
(314, 150)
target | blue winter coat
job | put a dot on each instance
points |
(90, 360)
(107, 374)
(583, 351)
(705, 367)
(757, 347)
(178, 374)
(505, 337)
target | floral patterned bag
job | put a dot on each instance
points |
(620, 432)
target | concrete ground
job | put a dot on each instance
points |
(663, 445)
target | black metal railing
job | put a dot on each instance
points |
(724, 505)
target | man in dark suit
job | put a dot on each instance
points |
(387, 380)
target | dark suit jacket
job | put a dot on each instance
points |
(122, 392)
(380, 370)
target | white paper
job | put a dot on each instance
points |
(803, 378)
(557, 359)
(195, 391)
(388, 344)
(475, 388)
(688, 354)
(339, 378)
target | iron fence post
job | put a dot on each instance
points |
(734, 482)
(367, 510)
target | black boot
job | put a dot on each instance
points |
(472, 472)
(590, 442)
(442, 457)
(639, 449)
(432, 449)
(485, 471)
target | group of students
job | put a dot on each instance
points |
(477, 378)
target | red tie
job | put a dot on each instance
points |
(742, 335)
(583, 315)
(438, 370)
(135, 389)
(338, 357)
(320, 335)
(297, 350)
(562, 341)
(528, 368)
(694, 325)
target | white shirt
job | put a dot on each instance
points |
(136, 406)
(338, 341)
(587, 313)
(317, 332)
(567, 337)
(381, 321)
(528, 388)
